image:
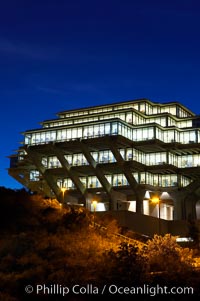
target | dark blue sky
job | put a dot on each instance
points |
(57, 55)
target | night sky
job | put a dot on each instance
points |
(57, 55)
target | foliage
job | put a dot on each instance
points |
(126, 265)
(41, 242)
(166, 256)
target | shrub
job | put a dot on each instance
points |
(166, 256)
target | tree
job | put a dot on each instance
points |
(126, 266)
(165, 256)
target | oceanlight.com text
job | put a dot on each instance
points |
(111, 289)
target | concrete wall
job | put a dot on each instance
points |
(148, 225)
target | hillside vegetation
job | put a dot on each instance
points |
(43, 243)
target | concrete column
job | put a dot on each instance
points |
(184, 204)
(139, 192)
(98, 172)
(50, 179)
(72, 175)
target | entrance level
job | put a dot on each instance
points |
(155, 204)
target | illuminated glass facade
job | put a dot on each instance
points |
(120, 154)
